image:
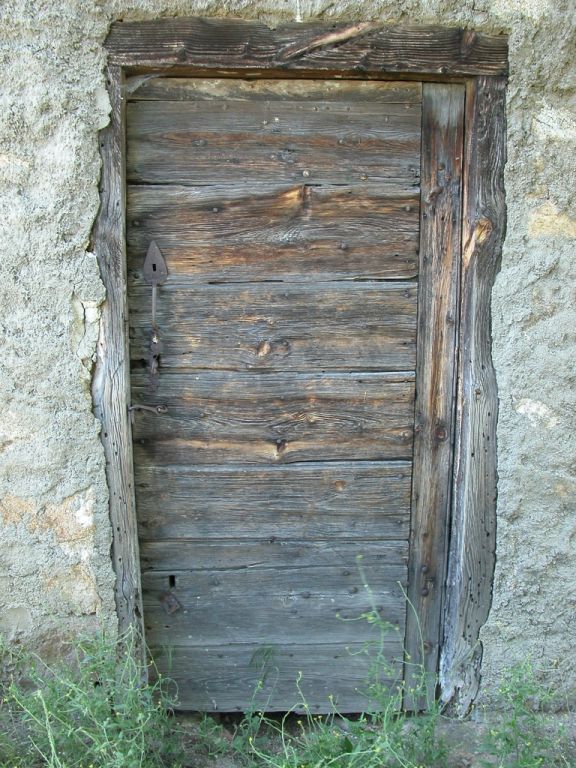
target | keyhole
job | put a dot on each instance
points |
(172, 581)
(153, 267)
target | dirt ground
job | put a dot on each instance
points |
(465, 740)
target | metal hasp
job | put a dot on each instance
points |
(155, 273)
(150, 408)
(158, 409)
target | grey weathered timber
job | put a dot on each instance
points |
(275, 605)
(256, 375)
(310, 502)
(111, 385)
(355, 92)
(268, 551)
(337, 326)
(272, 232)
(211, 142)
(439, 286)
(223, 679)
(250, 419)
(281, 158)
(216, 47)
(473, 537)
(273, 214)
(354, 258)
(276, 232)
(354, 50)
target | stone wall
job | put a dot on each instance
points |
(55, 572)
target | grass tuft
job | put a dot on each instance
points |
(96, 713)
(93, 712)
(523, 736)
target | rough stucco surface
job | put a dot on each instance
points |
(55, 572)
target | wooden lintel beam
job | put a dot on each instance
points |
(206, 44)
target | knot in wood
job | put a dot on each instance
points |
(482, 230)
(264, 348)
(441, 433)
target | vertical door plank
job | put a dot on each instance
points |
(440, 248)
(111, 385)
(473, 534)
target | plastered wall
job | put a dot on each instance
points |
(55, 572)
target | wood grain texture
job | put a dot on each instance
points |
(279, 327)
(150, 88)
(224, 679)
(276, 606)
(209, 45)
(245, 418)
(349, 50)
(331, 501)
(179, 554)
(275, 232)
(110, 386)
(473, 539)
(440, 248)
(218, 142)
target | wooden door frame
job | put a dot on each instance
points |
(456, 421)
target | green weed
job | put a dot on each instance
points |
(387, 737)
(523, 737)
(382, 737)
(96, 713)
(91, 713)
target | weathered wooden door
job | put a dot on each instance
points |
(298, 481)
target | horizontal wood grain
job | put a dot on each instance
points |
(251, 141)
(179, 554)
(275, 232)
(225, 417)
(330, 676)
(174, 88)
(267, 327)
(343, 48)
(297, 259)
(222, 679)
(275, 606)
(362, 500)
(272, 214)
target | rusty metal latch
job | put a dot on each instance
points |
(155, 273)
(152, 408)
(159, 409)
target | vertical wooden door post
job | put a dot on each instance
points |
(439, 289)
(111, 383)
(472, 553)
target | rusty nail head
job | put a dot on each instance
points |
(169, 602)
